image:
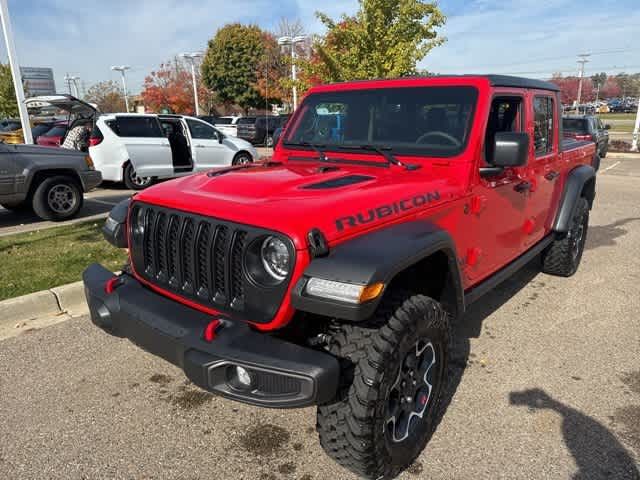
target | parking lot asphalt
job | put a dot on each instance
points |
(97, 204)
(546, 385)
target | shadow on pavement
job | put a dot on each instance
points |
(470, 326)
(596, 451)
(606, 235)
(94, 205)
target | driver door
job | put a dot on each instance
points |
(498, 206)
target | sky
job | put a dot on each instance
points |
(523, 37)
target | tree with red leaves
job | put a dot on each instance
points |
(569, 89)
(171, 88)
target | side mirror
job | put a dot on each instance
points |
(220, 136)
(607, 126)
(511, 149)
(276, 135)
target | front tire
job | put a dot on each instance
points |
(133, 181)
(242, 158)
(394, 371)
(58, 198)
(563, 256)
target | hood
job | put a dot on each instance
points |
(68, 103)
(293, 198)
(237, 143)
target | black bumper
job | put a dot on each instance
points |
(283, 374)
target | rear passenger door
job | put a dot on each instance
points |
(147, 147)
(545, 168)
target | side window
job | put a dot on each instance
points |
(201, 130)
(137, 127)
(505, 116)
(543, 125)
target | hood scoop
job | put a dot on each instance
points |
(338, 182)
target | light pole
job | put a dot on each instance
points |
(191, 57)
(292, 41)
(582, 61)
(15, 71)
(122, 69)
(70, 80)
(636, 130)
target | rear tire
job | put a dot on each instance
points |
(242, 158)
(389, 399)
(58, 198)
(134, 182)
(563, 256)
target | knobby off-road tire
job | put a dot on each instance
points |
(58, 198)
(563, 256)
(357, 429)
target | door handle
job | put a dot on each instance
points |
(523, 187)
(551, 176)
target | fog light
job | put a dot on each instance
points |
(243, 376)
(239, 378)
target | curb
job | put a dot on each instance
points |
(66, 299)
(623, 155)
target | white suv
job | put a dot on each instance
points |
(138, 148)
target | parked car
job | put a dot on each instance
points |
(54, 136)
(228, 125)
(138, 148)
(51, 181)
(38, 127)
(80, 118)
(331, 275)
(587, 127)
(10, 124)
(260, 130)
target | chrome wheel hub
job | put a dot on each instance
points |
(140, 181)
(61, 199)
(409, 396)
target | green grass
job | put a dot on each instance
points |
(617, 116)
(34, 261)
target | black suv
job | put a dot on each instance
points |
(260, 130)
(588, 127)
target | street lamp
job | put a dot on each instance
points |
(292, 41)
(69, 80)
(191, 57)
(122, 69)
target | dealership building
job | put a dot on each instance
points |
(38, 80)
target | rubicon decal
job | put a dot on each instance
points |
(386, 210)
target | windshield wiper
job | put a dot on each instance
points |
(316, 146)
(382, 151)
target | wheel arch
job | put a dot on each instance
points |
(396, 255)
(581, 182)
(41, 175)
(240, 152)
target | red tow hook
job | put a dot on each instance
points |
(210, 330)
(112, 284)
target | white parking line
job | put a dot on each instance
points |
(104, 202)
(611, 166)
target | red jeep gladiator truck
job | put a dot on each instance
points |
(330, 274)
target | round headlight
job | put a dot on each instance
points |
(275, 258)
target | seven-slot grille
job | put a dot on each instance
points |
(194, 256)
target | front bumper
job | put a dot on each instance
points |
(284, 374)
(90, 179)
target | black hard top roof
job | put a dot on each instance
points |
(520, 82)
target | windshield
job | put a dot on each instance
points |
(430, 121)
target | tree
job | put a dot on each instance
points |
(169, 88)
(8, 102)
(610, 88)
(272, 73)
(569, 89)
(231, 64)
(108, 96)
(384, 39)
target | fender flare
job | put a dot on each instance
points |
(574, 185)
(377, 257)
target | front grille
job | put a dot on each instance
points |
(202, 259)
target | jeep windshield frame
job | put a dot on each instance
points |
(422, 121)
